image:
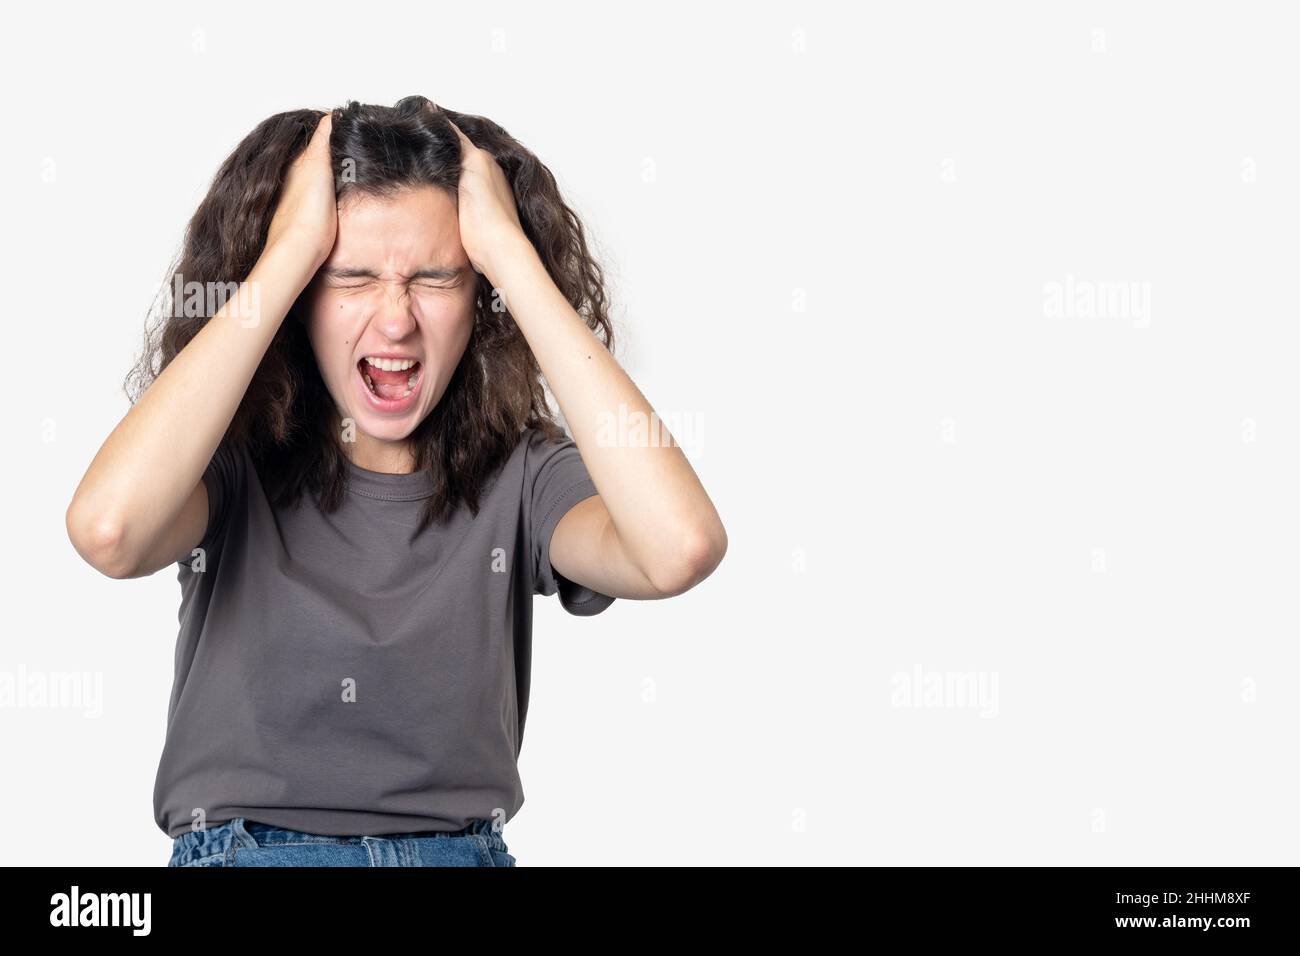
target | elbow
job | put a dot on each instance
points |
(697, 556)
(99, 540)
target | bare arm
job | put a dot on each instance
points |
(142, 504)
(652, 530)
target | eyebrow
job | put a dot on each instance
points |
(437, 273)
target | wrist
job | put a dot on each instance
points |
(302, 255)
(511, 255)
(280, 275)
(294, 262)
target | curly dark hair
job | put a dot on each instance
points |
(286, 418)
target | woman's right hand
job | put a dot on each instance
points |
(306, 216)
(142, 503)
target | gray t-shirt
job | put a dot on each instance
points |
(338, 674)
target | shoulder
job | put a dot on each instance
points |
(537, 446)
(534, 451)
(517, 470)
(534, 437)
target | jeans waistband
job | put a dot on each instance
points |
(250, 834)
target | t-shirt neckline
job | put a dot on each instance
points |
(390, 487)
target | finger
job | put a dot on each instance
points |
(320, 139)
(465, 143)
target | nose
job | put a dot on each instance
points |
(394, 317)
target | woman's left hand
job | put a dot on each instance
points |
(488, 218)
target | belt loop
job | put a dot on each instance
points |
(494, 836)
(240, 836)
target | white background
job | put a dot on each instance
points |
(832, 236)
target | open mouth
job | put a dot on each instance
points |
(392, 383)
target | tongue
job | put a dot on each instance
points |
(390, 385)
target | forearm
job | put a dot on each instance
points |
(660, 510)
(150, 463)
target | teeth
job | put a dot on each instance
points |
(410, 384)
(391, 365)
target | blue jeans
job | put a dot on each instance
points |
(243, 842)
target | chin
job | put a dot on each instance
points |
(386, 431)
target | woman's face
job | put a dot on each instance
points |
(389, 315)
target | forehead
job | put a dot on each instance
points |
(408, 230)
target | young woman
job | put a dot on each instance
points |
(352, 465)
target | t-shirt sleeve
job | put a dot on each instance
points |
(222, 478)
(558, 480)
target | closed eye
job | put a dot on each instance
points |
(429, 278)
(422, 285)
